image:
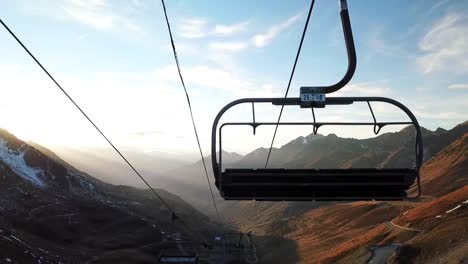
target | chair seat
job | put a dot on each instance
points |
(316, 184)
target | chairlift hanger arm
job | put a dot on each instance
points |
(351, 51)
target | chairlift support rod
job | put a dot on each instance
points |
(351, 52)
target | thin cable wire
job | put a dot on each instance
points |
(88, 118)
(191, 112)
(290, 80)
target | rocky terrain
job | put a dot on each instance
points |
(53, 213)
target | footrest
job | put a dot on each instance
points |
(316, 184)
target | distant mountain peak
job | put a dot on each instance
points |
(411, 131)
(464, 124)
(232, 156)
(440, 130)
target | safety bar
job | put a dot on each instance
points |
(350, 49)
(217, 167)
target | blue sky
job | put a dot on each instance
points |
(114, 57)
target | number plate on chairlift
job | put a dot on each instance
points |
(313, 97)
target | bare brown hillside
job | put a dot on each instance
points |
(429, 230)
(447, 170)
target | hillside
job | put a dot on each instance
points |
(52, 213)
(442, 172)
(431, 230)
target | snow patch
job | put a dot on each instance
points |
(453, 209)
(305, 141)
(438, 216)
(465, 202)
(17, 163)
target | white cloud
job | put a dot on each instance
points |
(204, 76)
(376, 42)
(46, 116)
(449, 111)
(101, 15)
(91, 18)
(228, 46)
(261, 40)
(439, 115)
(193, 28)
(157, 96)
(364, 89)
(137, 2)
(197, 28)
(200, 27)
(226, 30)
(445, 45)
(458, 86)
(440, 3)
(88, 4)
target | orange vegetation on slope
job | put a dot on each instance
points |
(356, 242)
(447, 170)
(326, 233)
(433, 208)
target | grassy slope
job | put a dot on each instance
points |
(344, 233)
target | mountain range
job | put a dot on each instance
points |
(52, 211)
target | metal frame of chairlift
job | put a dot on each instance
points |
(247, 184)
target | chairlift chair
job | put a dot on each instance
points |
(317, 184)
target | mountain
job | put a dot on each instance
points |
(386, 150)
(429, 230)
(52, 212)
(107, 166)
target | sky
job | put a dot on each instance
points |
(114, 58)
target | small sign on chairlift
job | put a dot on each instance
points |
(313, 97)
